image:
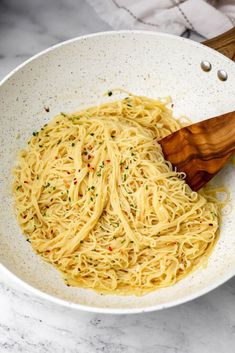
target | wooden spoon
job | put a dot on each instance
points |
(202, 149)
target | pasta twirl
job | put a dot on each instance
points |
(95, 198)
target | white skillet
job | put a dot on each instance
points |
(76, 74)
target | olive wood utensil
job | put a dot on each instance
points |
(202, 149)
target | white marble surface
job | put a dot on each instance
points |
(30, 325)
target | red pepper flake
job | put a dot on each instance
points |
(47, 109)
(75, 181)
(24, 216)
(89, 157)
(210, 224)
(26, 182)
(79, 170)
(88, 164)
(80, 195)
(110, 248)
(108, 160)
(56, 157)
(47, 206)
(68, 172)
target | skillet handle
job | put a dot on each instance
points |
(224, 43)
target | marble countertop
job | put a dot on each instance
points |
(31, 325)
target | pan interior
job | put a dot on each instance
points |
(75, 75)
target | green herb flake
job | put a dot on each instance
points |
(69, 198)
(73, 144)
(18, 187)
(98, 174)
(35, 133)
(110, 93)
(92, 134)
(146, 187)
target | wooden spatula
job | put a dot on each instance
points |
(202, 149)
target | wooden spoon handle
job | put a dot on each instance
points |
(225, 43)
(201, 150)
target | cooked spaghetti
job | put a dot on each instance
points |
(96, 199)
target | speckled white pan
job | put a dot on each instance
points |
(75, 74)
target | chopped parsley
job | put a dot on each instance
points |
(110, 93)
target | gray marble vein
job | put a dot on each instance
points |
(31, 325)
